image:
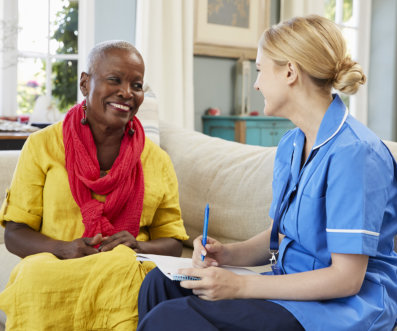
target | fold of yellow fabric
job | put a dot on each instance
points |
(96, 292)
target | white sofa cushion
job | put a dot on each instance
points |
(8, 262)
(148, 114)
(8, 163)
(235, 180)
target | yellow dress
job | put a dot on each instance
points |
(96, 292)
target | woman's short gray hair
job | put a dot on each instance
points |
(99, 49)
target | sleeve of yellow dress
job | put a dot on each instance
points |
(24, 202)
(167, 220)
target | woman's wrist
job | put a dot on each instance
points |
(161, 246)
(140, 247)
(58, 248)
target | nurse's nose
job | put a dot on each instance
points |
(256, 86)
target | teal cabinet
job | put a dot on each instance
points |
(252, 130)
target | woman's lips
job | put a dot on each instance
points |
(120, 107)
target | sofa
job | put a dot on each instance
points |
(234, 179)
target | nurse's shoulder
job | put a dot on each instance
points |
(357, 135)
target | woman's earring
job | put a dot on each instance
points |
(84, 119)
(131, 131)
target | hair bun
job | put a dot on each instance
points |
(348, 76)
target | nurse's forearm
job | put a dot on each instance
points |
(251, 252)
(343, 278)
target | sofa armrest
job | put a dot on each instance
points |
(8, 161)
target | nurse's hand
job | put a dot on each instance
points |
(215, 284)
(213, 251)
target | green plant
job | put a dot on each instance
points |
(65, 72)
(27, 96)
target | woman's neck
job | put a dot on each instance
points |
(107, 142)
(104, 135)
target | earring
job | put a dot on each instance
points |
(131, 131)
(84, 119)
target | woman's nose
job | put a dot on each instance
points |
(126, 91)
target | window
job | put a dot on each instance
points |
(354, 17)
(40, 55)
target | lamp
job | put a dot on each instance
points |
(242, 86)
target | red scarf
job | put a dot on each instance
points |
(123, 185)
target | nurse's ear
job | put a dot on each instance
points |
(291, 73)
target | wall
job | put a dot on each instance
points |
(214, 77)
(214, 82)
(382, 76)
(214, 87)
(107, 26)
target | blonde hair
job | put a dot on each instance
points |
(316, 45)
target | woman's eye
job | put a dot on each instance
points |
(137, 86)
(114, 79)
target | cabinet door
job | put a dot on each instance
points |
(219, 128)
(257, 135)
(266, 132)
(280, 127)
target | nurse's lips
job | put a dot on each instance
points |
(120, 106)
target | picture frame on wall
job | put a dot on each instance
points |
(230, 28)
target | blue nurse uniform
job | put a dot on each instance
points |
(342, 200)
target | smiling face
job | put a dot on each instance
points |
(113, 88)
(271, 82)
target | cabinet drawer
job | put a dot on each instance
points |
(258, 130)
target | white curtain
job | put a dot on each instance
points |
(291, 8)
(8, 57)
(86, 38)
(164, 36)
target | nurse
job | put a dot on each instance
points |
(334, 210)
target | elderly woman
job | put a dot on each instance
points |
(86, 195)
(334, 210)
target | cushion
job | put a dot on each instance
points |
(235, 180)
(148, 114)
(8, 262)
(8, 162)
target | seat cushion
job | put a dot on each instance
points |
(7, 262)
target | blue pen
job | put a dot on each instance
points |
(205, 228)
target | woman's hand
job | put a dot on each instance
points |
(215, 283)
(79, 247)
(214, 252)
(161, 246)
(119, 238)
(23, 241)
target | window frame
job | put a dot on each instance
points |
(361, 13)
(10, 52)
